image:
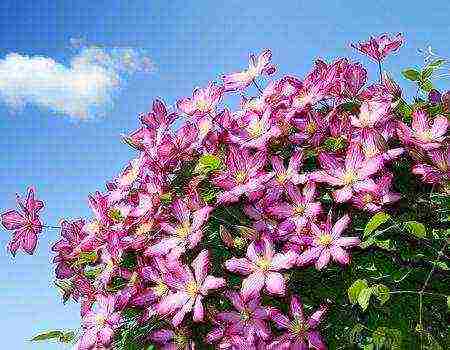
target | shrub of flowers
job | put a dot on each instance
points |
(311, 214)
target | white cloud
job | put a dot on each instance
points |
(81, 89)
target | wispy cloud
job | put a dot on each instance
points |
(83, 88)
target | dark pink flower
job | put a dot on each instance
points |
(257, 65)
(311, 128)
(262, 265)
(379, 47)
(173, 339)
(25, 223)
(190, 288)
(328, 243)
(300, 333)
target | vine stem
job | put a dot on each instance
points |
(257, 86)
(49, 226)
(380, 71)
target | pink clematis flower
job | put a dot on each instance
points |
(191, 288)
(25, 223)
(99, 325)
(244, 174)
(328, 243)
(351, 175)
(203, 101)
(424, 133)
(374, 200)
(256, 66)
(372, 114)
(262, 266)
(176, 339)
(300, 209)
(285, 176)
(438, 169)
(67, 248)
(226, 337)
(299, 332)
(186, 234)
(255, 131)
(311, 129)
(250, 319)
(377, 48)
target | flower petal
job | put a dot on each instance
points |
(252, 285)
(275, 283)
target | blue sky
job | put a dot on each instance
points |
(191, 42)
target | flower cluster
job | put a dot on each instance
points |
(290, 157)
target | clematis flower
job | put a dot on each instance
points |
(25, 223)
(372, 114)
(299, 332)
(424, 133)
(190, 288)
(254, 130)
(173, 339)
(351, 175)
(67, 247)
(374, 200)
(244, 174)
(249, 320)
(99, 325)
(378, 48)
(285, 177)
(159, 117)
(438, 169)
(352, 78)
(261, 265)
(203, 101)
(226, 337)
(328, 243)
(311, 129)
(300, 209)
(186, 234)
(257, 65)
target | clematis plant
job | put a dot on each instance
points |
(205, 234)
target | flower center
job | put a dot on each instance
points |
(144, 228)
(442, 165)
(311, 128)
(263, 264)
(240, 177)
(281, 178)
(100, 319)
(183, 230)
(181, 340)
(425, 135)
(202, 105)
(192, 289)
(349, 177)
(255, 130)
(245, 315)
(367, 198)
(161, 288)
(299, 328)
(94, 226)
(252, 72)
(299, 209)
(325, 239)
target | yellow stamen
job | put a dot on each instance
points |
(160, 289)
(263, 264)
(183, 230)
(240, 177)
(349, 177)
(311, 128)
(192, 289)
(325, 239)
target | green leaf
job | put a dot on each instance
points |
(411, 74)
(426, 73)
(442, 265)
(381, 292)
(63, 337)
(86, 258)
(416, 228)
(426, 85)
(448, 302)
(436, 63)
(207, 163)
(405, 110)
(355, 332)
(376, 220)
(390, 338)
(355, 289)
(364, 298)
(385, 244)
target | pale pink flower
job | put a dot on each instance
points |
(25, 223)
(437, 170)
(203, 101)
(261, 265)
(350, 175)
(257, 65)
(425, 132)
(328, 243)
(372, 114)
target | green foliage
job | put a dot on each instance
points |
(411, 74)
(416, 228)
(58, 336)
(377, 220)
(207, 163)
